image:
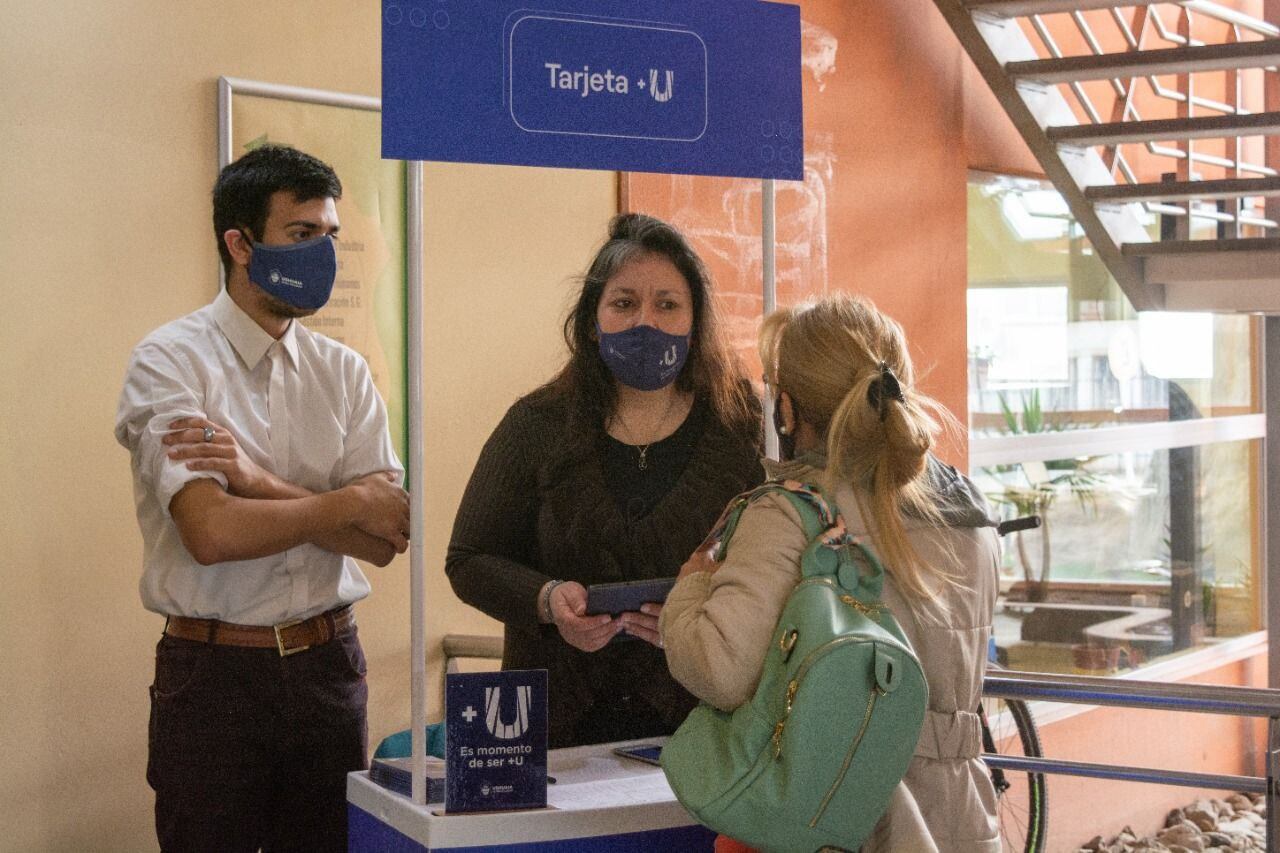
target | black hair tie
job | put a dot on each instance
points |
(884, 388)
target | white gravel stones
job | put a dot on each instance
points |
(1235, 824)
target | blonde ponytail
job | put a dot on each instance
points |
(846, 367)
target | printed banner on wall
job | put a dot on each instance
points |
(367, 309)
(704, 87)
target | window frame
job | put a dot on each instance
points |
(986, 450)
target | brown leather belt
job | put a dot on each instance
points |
(287, 637)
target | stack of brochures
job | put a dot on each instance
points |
(395, 775)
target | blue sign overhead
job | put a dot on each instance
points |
(683, 86)
(587, 91)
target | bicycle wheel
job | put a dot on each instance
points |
(1008, 729)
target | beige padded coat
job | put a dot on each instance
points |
(716, 628)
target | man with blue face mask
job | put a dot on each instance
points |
(262, 465)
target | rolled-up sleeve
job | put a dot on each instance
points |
(367, 448)
(716, 626)
(159, 387)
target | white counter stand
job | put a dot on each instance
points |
(599, 802)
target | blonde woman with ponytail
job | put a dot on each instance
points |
(852, 422)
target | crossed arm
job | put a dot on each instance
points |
(259, 514)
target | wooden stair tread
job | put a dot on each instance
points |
(1182, 190)
(1199, 127)
(1020, 8)
(1141, 63)
(1182, 247)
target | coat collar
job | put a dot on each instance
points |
(959, 501)
(807, 468)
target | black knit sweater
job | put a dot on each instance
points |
(537, 508)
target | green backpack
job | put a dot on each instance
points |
(811, 760)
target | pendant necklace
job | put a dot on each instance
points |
(643, 449)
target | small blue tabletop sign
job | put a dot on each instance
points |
(496, 746)
(703, 87)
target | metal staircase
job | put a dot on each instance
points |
(1146, 221)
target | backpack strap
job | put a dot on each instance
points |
(831, 548)
(815, 515)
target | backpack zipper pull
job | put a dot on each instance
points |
(782, 724)
(869, 610)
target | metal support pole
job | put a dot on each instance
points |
(224, 151)
(768, 251)
(1185, 107)
(1273, 772)
(1269, 527)
(417, 493)
(1185, 595)
(1124, 693)
(1123, 773)
(1271, 101)
(224, 122)
(1270, 584)
(1156, 696)
(769, 244)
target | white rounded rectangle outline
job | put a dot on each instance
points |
(511, 37)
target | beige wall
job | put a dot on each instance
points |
(108, 139)
(881, 211)
(107, 134)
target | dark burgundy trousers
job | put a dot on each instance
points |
(250, 750)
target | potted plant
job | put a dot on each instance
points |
(1039, 489)
(1230, 604)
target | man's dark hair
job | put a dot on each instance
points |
(242, 193)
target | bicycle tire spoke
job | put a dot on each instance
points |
(1020, 807)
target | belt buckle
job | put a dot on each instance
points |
(285, 652)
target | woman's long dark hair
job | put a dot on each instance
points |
(711, 371)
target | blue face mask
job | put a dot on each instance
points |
(643, 357)
(301, 274)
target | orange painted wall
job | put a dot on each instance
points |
(1081, 808)
(895, 117)
(882, 208)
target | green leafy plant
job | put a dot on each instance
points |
(1227, 593)
(1038, 497)
(1032, 415)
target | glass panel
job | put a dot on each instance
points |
(1140, 555)
(1053, 342)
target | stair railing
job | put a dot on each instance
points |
(1123, 693)
(1242, 214)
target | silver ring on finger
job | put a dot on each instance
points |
(208, 434)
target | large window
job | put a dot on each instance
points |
(1134, 436)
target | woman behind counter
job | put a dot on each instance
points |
(614, 470)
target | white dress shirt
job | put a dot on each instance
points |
(304, 408)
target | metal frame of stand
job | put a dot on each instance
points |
(1150, 695)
